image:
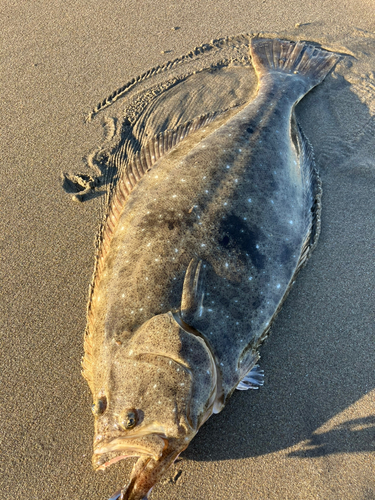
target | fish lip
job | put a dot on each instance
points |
(110, 451)
(107, 441)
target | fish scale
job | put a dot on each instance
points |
(206, 231)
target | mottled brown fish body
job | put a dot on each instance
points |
(201, 255)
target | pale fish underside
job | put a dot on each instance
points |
(213, 207)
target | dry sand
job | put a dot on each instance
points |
(309, 433)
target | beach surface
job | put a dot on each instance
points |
(309, 433)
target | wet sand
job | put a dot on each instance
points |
(309, 433)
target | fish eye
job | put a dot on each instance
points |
(129, 419)
(100, 406)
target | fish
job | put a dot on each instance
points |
(206, 230)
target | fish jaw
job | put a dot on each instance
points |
(156, 454)
(147, 471)
(108, 452)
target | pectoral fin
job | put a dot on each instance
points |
(193, 291)
(253, 380)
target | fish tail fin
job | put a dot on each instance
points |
(270, 56)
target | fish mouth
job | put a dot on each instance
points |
(147, 471)
(156, 454)
(108, 452)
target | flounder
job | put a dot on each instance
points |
(205, 232)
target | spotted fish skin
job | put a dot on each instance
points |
(201, 254)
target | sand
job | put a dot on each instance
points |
(309, 433)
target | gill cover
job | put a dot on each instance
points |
(185, 369)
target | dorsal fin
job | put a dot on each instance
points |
(128, 178)
(142, 161)
(316, 187)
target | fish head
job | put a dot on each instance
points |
(159, 389)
